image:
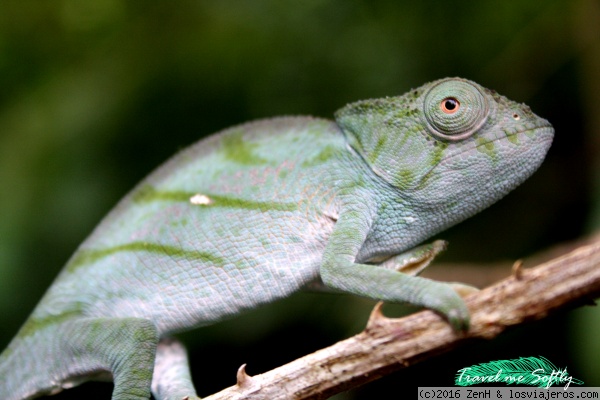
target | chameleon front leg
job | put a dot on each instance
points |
(339, 271)
(172, 379)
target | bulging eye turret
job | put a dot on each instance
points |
(455, 109)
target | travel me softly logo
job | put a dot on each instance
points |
(532, 371)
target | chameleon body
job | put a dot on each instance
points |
(262, 210)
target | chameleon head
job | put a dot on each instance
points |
(450, 145)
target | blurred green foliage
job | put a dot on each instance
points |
(97, 93)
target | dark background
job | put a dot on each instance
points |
(96, 94)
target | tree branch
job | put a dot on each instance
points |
(387, 345)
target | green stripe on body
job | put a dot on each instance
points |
(147, 194)
(89, 256)
(33, 325)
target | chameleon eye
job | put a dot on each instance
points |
(450, 105)
(455, 109)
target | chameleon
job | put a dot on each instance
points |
(264, 209)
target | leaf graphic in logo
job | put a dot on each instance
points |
(532, 371)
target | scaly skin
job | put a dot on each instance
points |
(261, 210)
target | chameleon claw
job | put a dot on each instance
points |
(243, 379)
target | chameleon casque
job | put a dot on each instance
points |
(261, 210)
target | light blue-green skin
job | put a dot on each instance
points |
(261, 210)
